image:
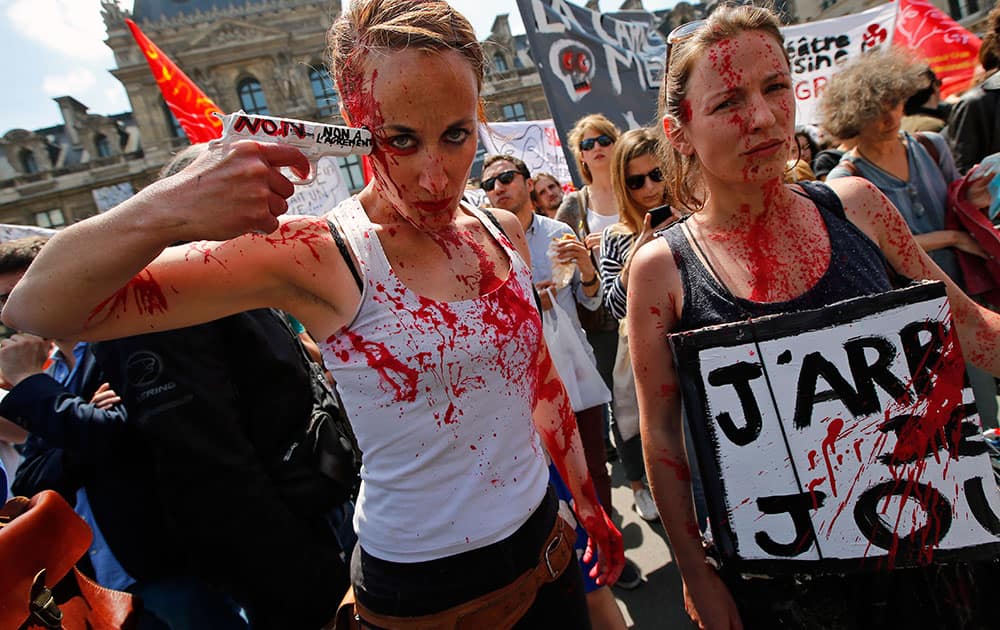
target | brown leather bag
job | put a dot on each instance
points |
(41, 539)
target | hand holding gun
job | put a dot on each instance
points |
(315, 140)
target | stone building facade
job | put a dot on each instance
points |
(262, 56)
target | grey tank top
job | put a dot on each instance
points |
(857, 267)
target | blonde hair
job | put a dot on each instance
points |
(726, 22)
(866, 89)
(631, 145)
(596, 122)
(369, 26)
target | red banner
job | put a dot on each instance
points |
(950, 50)
(186, 101)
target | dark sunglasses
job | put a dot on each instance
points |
(681, 33)
(603, 140)
(635, 182)
(505, 178)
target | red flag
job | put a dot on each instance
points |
(950, 50)
(189, 105)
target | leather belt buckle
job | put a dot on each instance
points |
(552, 546)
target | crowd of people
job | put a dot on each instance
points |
(491, 358)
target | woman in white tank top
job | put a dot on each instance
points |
(436, 347)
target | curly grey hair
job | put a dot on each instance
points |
(868, 88)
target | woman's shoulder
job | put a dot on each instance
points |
(654, 264)
(863, 203)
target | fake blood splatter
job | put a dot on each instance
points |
(923, 429)
(143, 290)
(393, 372)
(457, 240)
(721, 57)
(206, 251)
(678, 465)
(306, 232)
(829, 447)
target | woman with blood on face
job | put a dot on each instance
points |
(436, 347)
(727, 110)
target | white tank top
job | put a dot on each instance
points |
(440, 396)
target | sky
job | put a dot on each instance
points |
(55, 48)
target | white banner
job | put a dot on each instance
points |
(110, 196)
(10, 232)
(324, 193)
(818, 50)
(534, 141)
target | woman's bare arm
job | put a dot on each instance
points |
(91, 281)
(556, 424)
(653, 300)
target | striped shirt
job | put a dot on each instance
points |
(615, 246)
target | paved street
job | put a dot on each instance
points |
(658, 602)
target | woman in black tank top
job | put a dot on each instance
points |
(755, 246)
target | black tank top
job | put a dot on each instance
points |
(857, 267)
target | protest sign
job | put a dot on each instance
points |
(951, 51)
(590, 62)
(108, 197)
(9, 232)
(818, 50)
(536, 142)
(841, 438)
(323, 193)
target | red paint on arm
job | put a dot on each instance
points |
(143, 290)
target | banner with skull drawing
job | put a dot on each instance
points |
(591, 62)
(844, 438)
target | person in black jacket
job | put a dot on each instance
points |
(218, 407)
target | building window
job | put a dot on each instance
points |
(252, 97)
(103, 146)
(350, 169)
(514, 111)
(323, 91)
(28, 163)
(499, 63)
(50, 218)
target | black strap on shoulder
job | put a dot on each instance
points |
(338, 238)
(494, 220)
(822, 195)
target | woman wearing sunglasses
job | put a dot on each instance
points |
(593, 207)
(753, 247)
(639, 186)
